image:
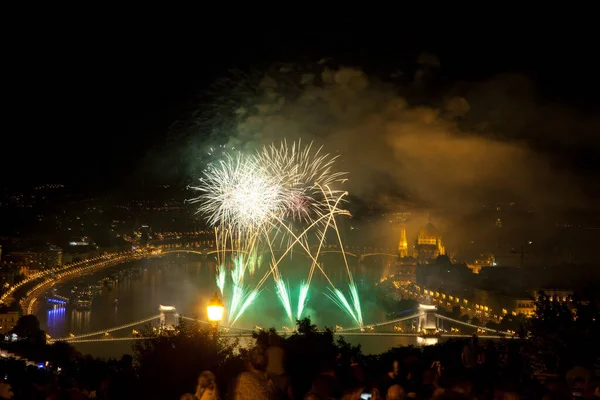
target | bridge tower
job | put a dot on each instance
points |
(169, 318)
(428, 325)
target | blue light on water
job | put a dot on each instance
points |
(56, 319)
(56, 313)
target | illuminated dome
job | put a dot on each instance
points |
(428, 235)
(429, 244)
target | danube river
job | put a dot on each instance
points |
(187, 281)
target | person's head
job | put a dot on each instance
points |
(353, 394)
(323, 386)
(274, 340)
(126, 361)
(326, 365)
(511, 396)
(187, 396)
(206, 380)
(464, 387)
(257, 358)
(428, 376)
(395, 392)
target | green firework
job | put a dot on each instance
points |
(221, 279)
(248, 300)
(284, 297)
(302, 298)
(340, 300)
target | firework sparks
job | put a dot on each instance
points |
(340, 300)
(356, 302)
(302, 298)
(248, 300)
(253, 200)
(237, 297)
(221, 273)
(298, 170)
(284, 297)
(238, 194)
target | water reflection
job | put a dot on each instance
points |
(80, 320)
(56, 320)
(187, 282)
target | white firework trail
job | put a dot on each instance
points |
(252, 200)
(238, 194)
(282, 290)
(221, 273)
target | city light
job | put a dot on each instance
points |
(215, 309)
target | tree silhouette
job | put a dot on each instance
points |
(310, 351)
(62, 353)
(28, 330)
(175, 359)
(263, 337)
(305, 327)
(565, 333)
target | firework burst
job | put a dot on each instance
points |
(254, 200)
(238, 194)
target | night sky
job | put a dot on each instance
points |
(85, 107)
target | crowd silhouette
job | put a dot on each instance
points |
(553, 361)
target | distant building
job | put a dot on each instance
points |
(8, 320)
(403, 243)
(427, 248)
(554, 294)
(27, 270)
(7, 277)
(81, 255)
(406, 270)
(441, 273)
(429, 244)
(502, 302)
(36, 259)
(484, 261)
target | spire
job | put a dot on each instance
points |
(403, 243)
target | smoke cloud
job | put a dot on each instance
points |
(481, 144)
(390, 147)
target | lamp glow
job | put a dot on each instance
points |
(215, 309)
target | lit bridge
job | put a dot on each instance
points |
(359, 255)
(428, 330)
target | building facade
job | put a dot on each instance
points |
(429, 244)
(8, 320)
(36, 259)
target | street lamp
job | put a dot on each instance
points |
(215, 311)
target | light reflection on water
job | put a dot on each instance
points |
(56, 319)
(188, 282)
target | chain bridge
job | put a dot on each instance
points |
(426, 325)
